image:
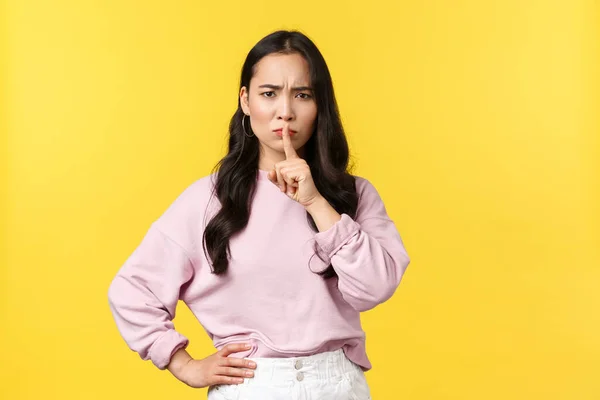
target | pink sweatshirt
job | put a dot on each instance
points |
(271, 295)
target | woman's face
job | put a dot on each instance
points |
(280, 93)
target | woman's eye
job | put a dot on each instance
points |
(304, 95)
(268, 94)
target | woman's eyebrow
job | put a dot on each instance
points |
(277, 87)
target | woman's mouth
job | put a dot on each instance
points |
(279, 132)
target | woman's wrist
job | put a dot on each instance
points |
(323, 213)
(179, 359)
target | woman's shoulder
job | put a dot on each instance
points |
(368, 195)
(200, 188)
(362, 184)
(191, 203)
(197, 191)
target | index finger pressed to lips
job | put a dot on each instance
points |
(287, 143)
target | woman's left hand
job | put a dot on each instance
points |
(293, 176)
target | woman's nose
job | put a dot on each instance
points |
(285, 111)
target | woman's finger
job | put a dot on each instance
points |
(231, 371)
(237, 362)
(273, 176)
(233, 348)
(281, 180)
(289, 176)
(290, 153)
(226, 380)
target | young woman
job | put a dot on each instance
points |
(276, 253)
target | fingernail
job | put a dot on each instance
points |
(249, 373)
(247, 345)
(252, 364)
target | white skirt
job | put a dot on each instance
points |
(324, 376)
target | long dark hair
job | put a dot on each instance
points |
(326, 153)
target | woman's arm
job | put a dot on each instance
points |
(367, 253)
(143, 297)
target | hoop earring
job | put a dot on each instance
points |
(244, 126)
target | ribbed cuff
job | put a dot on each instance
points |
(331, 240)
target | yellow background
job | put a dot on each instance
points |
(476, 120)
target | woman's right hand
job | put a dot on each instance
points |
(216, 369)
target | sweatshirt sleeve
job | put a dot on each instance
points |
(367, 253)
(143, 297)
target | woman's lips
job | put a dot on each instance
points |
(279, 132)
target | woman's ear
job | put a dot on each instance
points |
(244, 100)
